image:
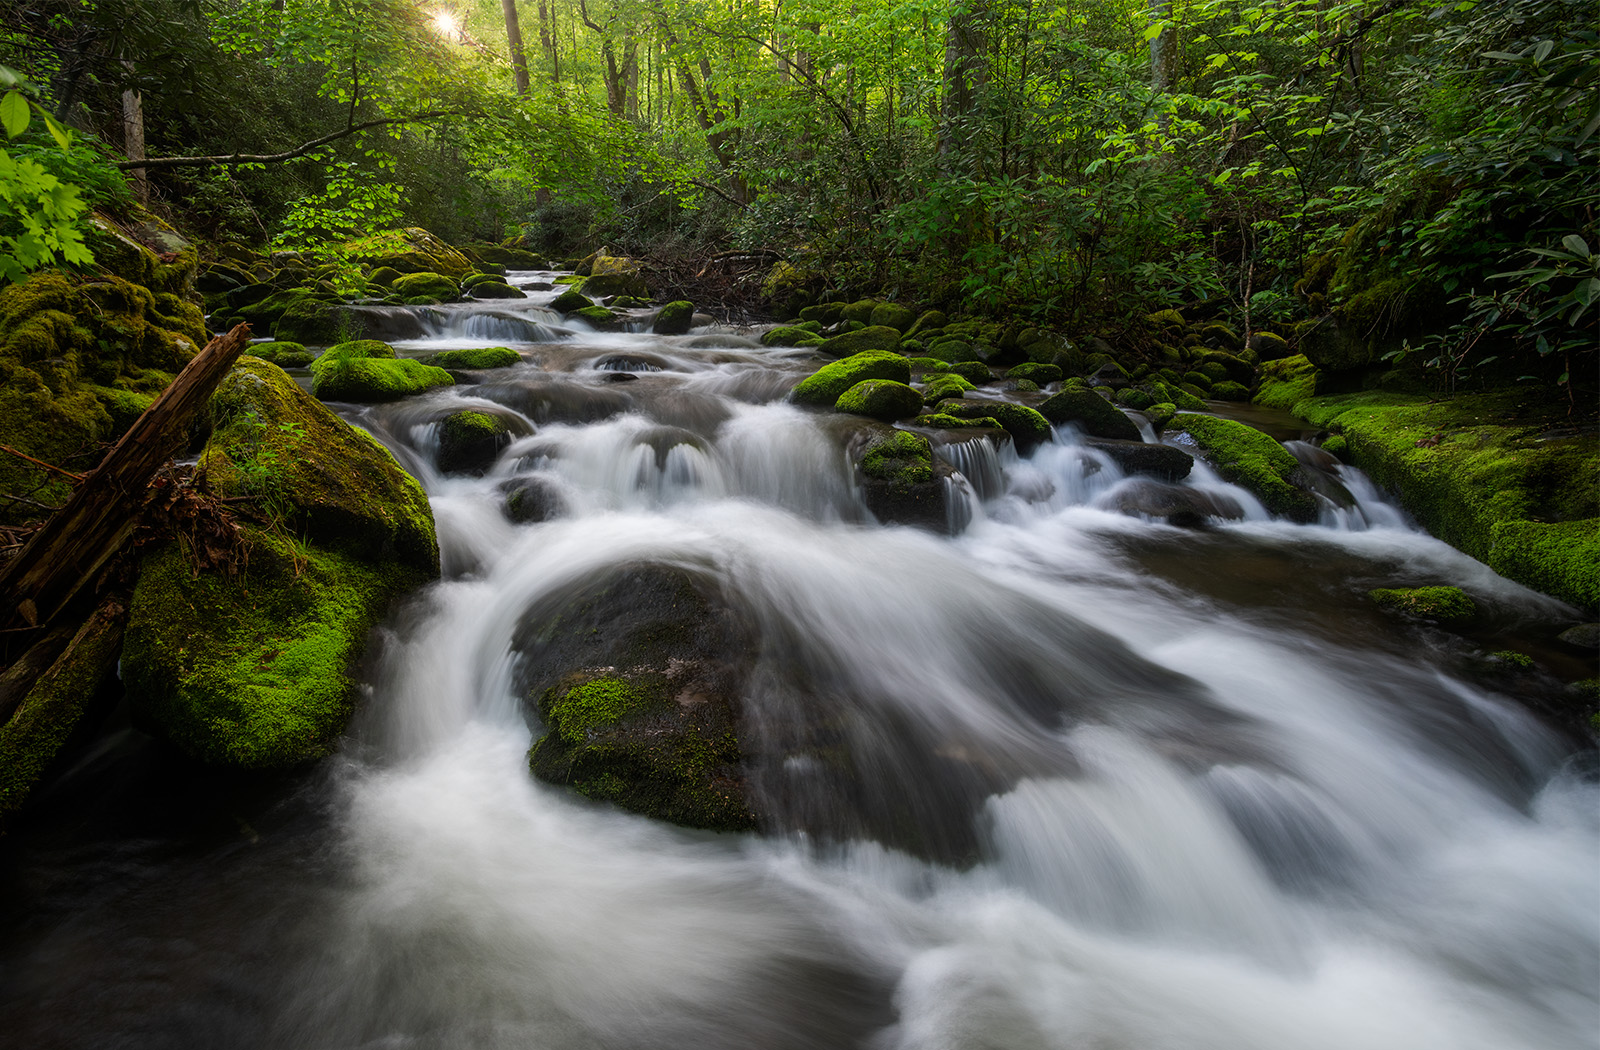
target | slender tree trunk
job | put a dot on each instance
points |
(133, 138)
(1161, 54)
(519, 58)
(966, 77)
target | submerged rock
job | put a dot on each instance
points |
(471, 440)
(476, 359)
(637, 688)
(902, 482)
(1174, 504)
(1158, 461)
(531, 499)
(1446, 605)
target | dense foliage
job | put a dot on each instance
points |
(1075, 162)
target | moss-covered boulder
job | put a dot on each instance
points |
(470, 441)
(1269, 346)
(878, 337)
(975, 372)
(383, 276)
(1446, 605)
(511, 258)
(361, 371)
(675, 318)
(1042, 374)
(882, 399)
(892, 315)
(1134, 398)
(313, 322)
(615, 275)
(945, 421)
(255, 668)
(76, 358)
(1500, 476)
(494, 290)
(945, 386)
(474, 359)
(571, 301)
(600, 318)
(1025, 425)
(433, 285)
(1089, 412)
(901, 480)
(790, 335)
(636, 684)
(824, 386)
(411, 250)
(927, 321)
(531, 499)
(144, 250)
(1286, 382)
(1228, 390)
(1251, 460)
(284, 354)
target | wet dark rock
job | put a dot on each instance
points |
(1175, 504)
(530, 499)
(472, 439)
(1158, 461)
(1091, 412)
(631, 363)
(552, 401)
(637, 682)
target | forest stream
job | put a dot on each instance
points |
(1113, 784)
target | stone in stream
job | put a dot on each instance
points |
(875, 338)
(571, 301)
(555, 401)
(1174, 504)
(1090, 412)
(530, 499)
(1449, 606)
(1252, 460)
(471, 440)
(902, 482)
(366, 370)
(637, 681)
(1026, 426)
(1138, 457)
(675, 318)
(882, 399)
(824, 386)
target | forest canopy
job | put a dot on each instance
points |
(1064, 162)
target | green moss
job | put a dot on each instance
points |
(1286, 382)
(874, 338)
(675, 318)
(882, 399)
(472, 280)
(407, 251)
(928, 365)
(317, 476)
(892, 315)
(903, 459)
(469, 441)
(476, 358)
(1025, 425)
(123, 406)
(368, 380)
(435, 285)
(1444, 604)
(369, 349)
(599, 702)
(945, 421)
(496, 289)
(1559, 558)
(1251, 459)
(383, 276)
(1228, 390)
(1177, 396)
(1512, 658)
(824, 386)
(571, 301)
(1091, 412)
(790, 335)
(311, 321)
(926, 322)
(599, 317)
(1134, 398)
(945, 386)
(1201, 379)
(256, 670)
(1483, 472)
(1336, 445)
(1160, 414)
(283, 353)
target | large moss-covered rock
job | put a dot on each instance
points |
(1252, 460)
(284, 354)
(511, 258)
(313, 322)
(945, 386)
(494, 290)
(74, 357)
(144, 250)
(255, 668)
(871, 338)
(1286, 382)
(411, 250)
(1091, 413)
(469, 441)
(824, 386)
(1498, 476)
(571, 301)
(892, 315)
(637, 680)
(675, 318)
(367, 371)
(882, 399)
(433, 285)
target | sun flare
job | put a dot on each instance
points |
(446, 24)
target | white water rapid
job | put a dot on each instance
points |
(1119, 785)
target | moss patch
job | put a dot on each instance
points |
(675, 318)
(790, 335)
(944, 386)
(1025, 425)
(1444, 604)
(903, 459)
(370, 380)
(475, 359)
(1251, 459)
(882, 399)
(1286, 382)
(1093, 413)
(874, 338)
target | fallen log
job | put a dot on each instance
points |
(75, 544)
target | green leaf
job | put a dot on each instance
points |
(14, 113)
(58, 132)
(1576, 245)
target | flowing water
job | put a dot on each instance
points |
(1118, 785)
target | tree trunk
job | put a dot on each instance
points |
(133, 138)
(966, 77)
(76, 543)
(519, 58)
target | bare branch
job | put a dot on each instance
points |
(277, 158)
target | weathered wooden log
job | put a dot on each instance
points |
(76, 542)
